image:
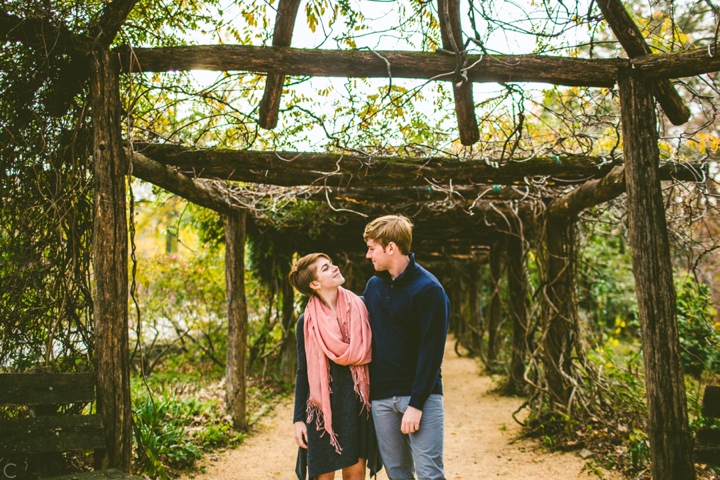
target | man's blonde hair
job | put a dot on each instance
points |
(391, 228)
(304, 272)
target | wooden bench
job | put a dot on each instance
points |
(44, 434)
(707, 440)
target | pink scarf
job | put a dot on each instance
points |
(346, 340)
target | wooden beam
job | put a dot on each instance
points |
(670, 440)
(367, 64)
(113, 17)
(629, 36)
(335, 170)
(284, 25)
(452, 41)
(678, 65)
(235, 375)
(463, 194)
(51, 433)
(110, 265)
(711, 401)
(46, 388)
(589, 194)
(175, 182)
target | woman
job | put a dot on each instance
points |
(333, 425)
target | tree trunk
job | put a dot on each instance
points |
(517, 299)
(670, 441)
(559, 308)
(288, 350)
(495, 308)
(110, 272)
(237, 317)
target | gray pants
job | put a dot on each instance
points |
(421, 451)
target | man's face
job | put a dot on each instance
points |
(380, 257)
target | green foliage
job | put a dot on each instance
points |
(183, 308)
(606, 286)
(174, 426)
(699, 338)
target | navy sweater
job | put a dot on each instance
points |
(409, 318)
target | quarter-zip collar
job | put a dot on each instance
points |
(406, 275)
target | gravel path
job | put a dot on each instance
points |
(478, 439)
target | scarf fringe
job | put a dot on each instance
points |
(313, 411)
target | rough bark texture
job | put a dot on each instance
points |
(495, 306)
(335, 170)
(517, 306)
(452, 41)
(635, 45)
(282, 36)
(475, 320)
(559, 313)
(589, 194)
(111, 20)
(670, 441)
(462, 194)
(177, 183)
(110, 274)
(237, 317)
(288, 351)
(678, 65)
(362, 63)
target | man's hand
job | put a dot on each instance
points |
(301, 434)
(411, 420)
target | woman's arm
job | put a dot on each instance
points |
(302, 386)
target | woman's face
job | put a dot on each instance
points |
(328, 276)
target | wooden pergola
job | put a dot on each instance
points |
(642, 78)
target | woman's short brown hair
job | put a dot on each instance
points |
(391, 228)
(303, 273)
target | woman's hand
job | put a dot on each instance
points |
(301, 434)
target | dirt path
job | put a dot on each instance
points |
(479, 430)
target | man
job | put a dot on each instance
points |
(409, 315)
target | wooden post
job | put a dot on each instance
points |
(495, 307)
(110, 273)
(475, 323)
(282, 36)
(237, 317)
(559, 313)
(288, 350)
(517, 299)
(451, 30)
(670, 441)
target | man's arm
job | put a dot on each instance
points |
(433, 312)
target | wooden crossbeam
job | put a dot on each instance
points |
(589, 194)
(461, 194)
(282, 36)
(336, 170)
(678, 65)
(367, 64)
(630, 37)
(177, 183)
(451, 30)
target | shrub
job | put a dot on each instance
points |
(699, 338)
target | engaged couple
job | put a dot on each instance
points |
(368, 390)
